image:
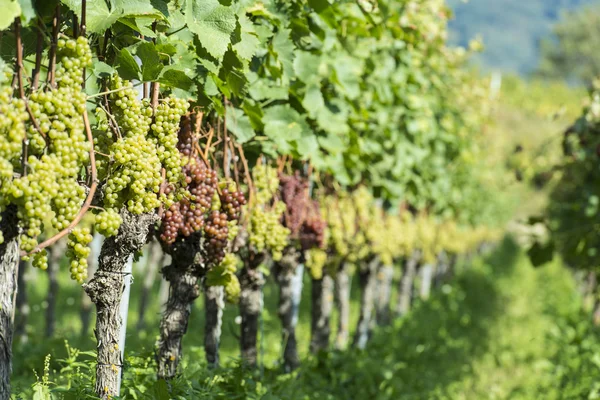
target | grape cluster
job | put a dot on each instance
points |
(205, 205)
(188, 215)
(40, 260)
(265, 230)
(50, 191)
(108, 222)
(224, 275)
(165, 130)
(13, 116)
(78, 251)
(266, 233)
(316, 259)
(302, 215)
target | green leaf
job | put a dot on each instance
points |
(239, 124)
(128, 68)
(248, 44)
(284, 50)
(151, 64)
(213, 24)
(102, 69)
(99, 17)
(10, 10)
(307, 66)
(283, 125)
(313, 100)
(27, 11)
(176, 78)
(307, 146)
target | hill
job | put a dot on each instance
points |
(511, 29)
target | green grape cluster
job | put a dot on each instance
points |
(49, 193)
(316, 259)
(224, 275)
(40, 260)
(78, 251)
(13, 116)
(165, 130)
(233, 290)
(266, 231)
(266, 182)
(138, 154)
(108, 222)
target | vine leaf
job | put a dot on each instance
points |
(213, 24)
(128, 67)
(10, 10)
(239, 124)
(151, 64)
(99, 17)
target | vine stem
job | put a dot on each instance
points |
(91, 96)
(226, 161)
(52, 54)
(88, 200)
(38, 57)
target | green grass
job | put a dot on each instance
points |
(500, 330)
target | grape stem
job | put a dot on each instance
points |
(247, 173)
(91, 96)
(88, 200)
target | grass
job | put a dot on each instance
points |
(500, 330)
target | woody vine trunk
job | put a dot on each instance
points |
(383, 294)
(105, 290)
(368, 285)
(288, 273)
(182, 275)
(322, 301)
(342, 299)
(214, 303)
(9, 259)
(405, 290)
(251, 302)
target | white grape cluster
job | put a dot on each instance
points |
(138, 154)
(48, 192)
(78, 251)
(165, 130)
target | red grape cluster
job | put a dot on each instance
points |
(188, 215)
(312, 233)
(204, 208)
(302, 216)
(232, 202)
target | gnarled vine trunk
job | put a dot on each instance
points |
(214, 303)
(405, 290)
(182, 275)
(425, 277)
(9, 260)
(288, 272)
(22, 306)
(343, 282)
(322, 302)
(251, 303)
(106, 289)
(368, 285)
(383, 294)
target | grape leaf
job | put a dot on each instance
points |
(10, 10)
(239, 124)
(151, 64)
(213, 24)
(128, 68)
